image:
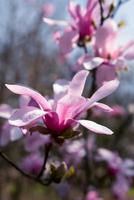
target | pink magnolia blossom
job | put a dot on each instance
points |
(64, 112)
(80, 29)
(110, 58)
(116, 165)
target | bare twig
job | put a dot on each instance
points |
(120, 3)
(111, 13)
(47, 150)
(101, 13)
(11, 163)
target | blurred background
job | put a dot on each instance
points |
(29, 56)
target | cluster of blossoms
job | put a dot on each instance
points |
(61, 120)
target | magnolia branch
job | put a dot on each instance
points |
(120, 3)
(112, 11)
(47, 150)
(29, 176)
(101, 12)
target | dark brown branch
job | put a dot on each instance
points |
(11, 163)
(47, 150)
(120, 3)
(101, 13)
(85, 49)
(112, 12)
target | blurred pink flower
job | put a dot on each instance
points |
(116, 165)
(80, 29)
(110, 58)
(92, 195)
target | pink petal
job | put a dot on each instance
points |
(105, 72)
(25, 116)
(107, 89)
(106, 155)
(60, 88)
(69, 106)
(103, 106)
(21, 90)
(67, 41)
(129, 55)
(93, 63)
(52, 121)
(77, 84)
(106, 36)
(94, 127)
(72, 9)
(91, 4)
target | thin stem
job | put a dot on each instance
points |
(120, 3)
(110, 14)
(85, 49)
(47, 150)
(11, 163)
(101, 13)
(93, 86)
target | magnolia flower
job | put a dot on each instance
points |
(116, 164)
(108, 56)
(80, 29)
(64, 112)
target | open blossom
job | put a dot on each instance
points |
(108, 56)
(64, 112)
(80, 29)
